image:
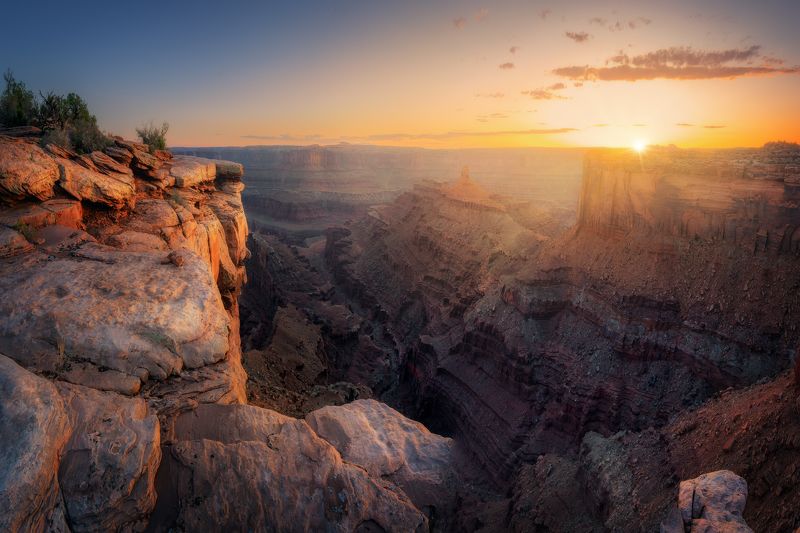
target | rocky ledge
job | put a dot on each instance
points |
(121, 385)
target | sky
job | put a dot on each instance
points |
(702, 73)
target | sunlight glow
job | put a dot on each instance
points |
(639, 146)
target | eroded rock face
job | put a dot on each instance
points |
(107, 474)
(26, 171)
(34, 430)
(244, 466)
(120, 310)
(388, 445)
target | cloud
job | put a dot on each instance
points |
(677, 63)
(507, 66)
(684, 125)
(544, 13)
(578, 37)
(493, 116)
(547, 93)
(467, 133)
(285, 137)
(514, 49)
(490, 95)
(713, 126)
(578, 84)
(459, 22)
(619, 25)
(600, 125)
(481, 14)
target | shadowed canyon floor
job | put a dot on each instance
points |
(599, 342)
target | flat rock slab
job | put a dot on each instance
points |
(189, 171)
(34, 430)
(119, 310)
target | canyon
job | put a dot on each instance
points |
(362, 340)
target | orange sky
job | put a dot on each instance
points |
(444, 74)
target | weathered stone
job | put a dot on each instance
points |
(108, 471)
(121, 310)
(13, 243)
(243, 467)
(107, 164)
(34, 430)
(113, 189)
(120, 155)
(228, 169)
(229, 211)
(388, 445)
(25, 170)
(21, 131)
(189, 171)
(108, 380)
(67, 212)
(713, 503)
(137, 241)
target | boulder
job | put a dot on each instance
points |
(26, 171)
(710, 503)
(107, 474)
(34, 430)
(189, 171)
(104, 163)
(125, 311)
(242, 467)
(13, 243)
(388, 445)
(229, 169)
(113, 189)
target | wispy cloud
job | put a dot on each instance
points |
(713, 126)
(506, 66)
(679, 63)
(285, 137)
(492, 116)
(490, 95)
(455, 134)
(684, 125)
(619, 25)
(578, 36)
(544, 13)
(514, 49)
(459, 22)
(481, 14)
(547, 93)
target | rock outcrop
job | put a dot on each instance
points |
(712, 502)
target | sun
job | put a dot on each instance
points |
(639, 146)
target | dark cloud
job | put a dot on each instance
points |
(506, 66)
(679, 63)
(514, 49)
(578, 36)
(490, 95)
(459, 22)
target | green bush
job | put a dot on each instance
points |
(17, 103)
(59, 137)
(86, 137)
(153, 136)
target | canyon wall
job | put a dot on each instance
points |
(122, 390)
(679, 279)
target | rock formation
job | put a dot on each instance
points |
(121, 378)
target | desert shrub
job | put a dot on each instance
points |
(59, 137)
(153, 136)
(86, 137)
(51, 113)
(17, 103)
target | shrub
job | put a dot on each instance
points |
(17, 103)
(59, 137)
(85, 136)
(153, 136)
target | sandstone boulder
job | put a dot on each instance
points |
(34, 430)
(107, 474)
(25, 170)
(243, 467)
(13, 243)
(388, 445)
(189, 171)
(124, 311)
(110, 188)
(711, 503)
